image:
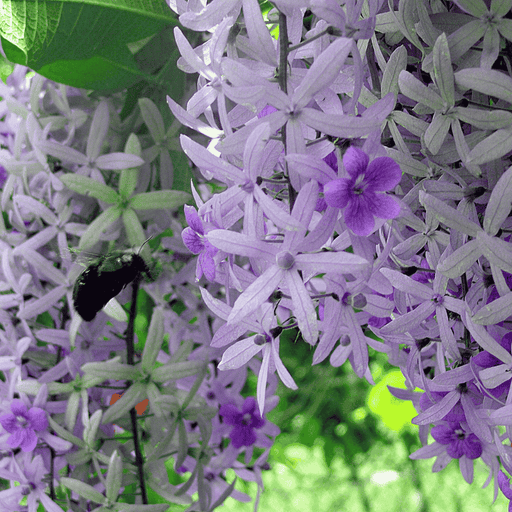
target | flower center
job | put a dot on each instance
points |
(248, 186)
(247, 418)
(259, 339)
(345, 340)
(359, 185)
(460, 434)
(285, 260)
(437, 298)
(22, 422)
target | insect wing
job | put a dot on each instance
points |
(103, 280)
(87, 298)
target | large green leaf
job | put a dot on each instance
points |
(81, 43)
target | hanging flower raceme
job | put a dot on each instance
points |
(361, 194)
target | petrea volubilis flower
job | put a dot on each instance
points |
(193, 238)
(458, 441)
(244, 422)
(22, 424)
(361, 193)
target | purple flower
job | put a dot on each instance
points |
(3, 175)
(193, 238)
(459, 442)
(359, 193)
(244, 422)
(22, 423)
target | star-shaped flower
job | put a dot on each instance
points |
(22, 424)
(458, 442)
(244, 422)
(361, 193)
(193, 238)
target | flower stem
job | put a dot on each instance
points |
(327, 31)
(130, 359)
(283, 83)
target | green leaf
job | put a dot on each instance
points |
(500, 203)
(66, 435)
(386, 23)
(448, 153)
(500, 7)
(475, 7)
(487, 81)
(406, 18)
(425, 27)
(131, 397)
(397, 62)
(495, 146)
(89, 187)
(81, 43)
(112, 68)
(409, 164)
(153, 341)
(83, 489)
(504, 27)
(416, 126)
(6, 68)
(111, 369)
(448, 215)
(153, 119)
(443, 71)
(114, 477)
(411, 87)
(72, 404)
(490, 48)
(484, 119)
(160, 200)
(91, 428)
(182, 445)
(128, 178)
(450, 22)
(459, 43)
(464, 38)
(135, 231)
(436, 132)
(183, 174)
(463, 148)
(173, 371)
(98, 226)
(310, 431)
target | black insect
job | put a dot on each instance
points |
(104, 279)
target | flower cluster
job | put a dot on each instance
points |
(356, 200)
